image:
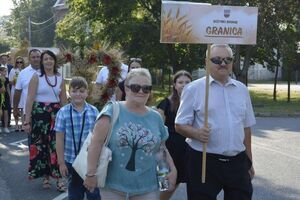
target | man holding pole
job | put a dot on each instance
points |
(226, 137)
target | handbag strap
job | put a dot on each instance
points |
(114, 117)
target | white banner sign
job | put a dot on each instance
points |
(186, 22)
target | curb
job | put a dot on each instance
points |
(260, 114)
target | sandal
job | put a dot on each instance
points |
(60, 186)
(46, 183)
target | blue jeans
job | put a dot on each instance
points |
(76, 188)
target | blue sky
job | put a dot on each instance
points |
(5, 7)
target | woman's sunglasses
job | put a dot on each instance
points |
(19, 62)
(135, 88)
(219, 60)
(135, 59)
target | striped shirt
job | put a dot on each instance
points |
(63, 125)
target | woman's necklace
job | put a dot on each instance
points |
(48, 81)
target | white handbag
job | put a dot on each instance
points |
(80, 162)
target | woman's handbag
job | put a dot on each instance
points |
(80, 162)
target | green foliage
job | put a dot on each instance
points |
(38, 11)
(134, 26)
(277, 21)
(262, 101)
(4, 47)
(158, 95)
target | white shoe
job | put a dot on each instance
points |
(6, 130)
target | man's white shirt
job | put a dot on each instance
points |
(229, 112)
(23, 83)
(103, 74)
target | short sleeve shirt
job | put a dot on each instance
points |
(23, 82)
(103, 74)
(229, 112)
(63, 125)
(134, 142)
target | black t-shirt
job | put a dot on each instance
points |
(165, 105)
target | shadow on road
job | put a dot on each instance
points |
(264, 189)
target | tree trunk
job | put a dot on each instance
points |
(275, 83)
(242, 74)
(242, 78)
(131, 163)
(289, 84)
(237, 62)
(162, 79)
(276, 77)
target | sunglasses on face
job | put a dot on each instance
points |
(135, 88)
(219, 60)
(136, 59)
(19, 62)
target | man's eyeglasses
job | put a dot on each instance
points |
(219, 60)
(135, 88)
(19, 62)
(135, 59)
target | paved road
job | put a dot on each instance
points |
(276, 153)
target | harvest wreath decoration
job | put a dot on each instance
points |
(85, 63)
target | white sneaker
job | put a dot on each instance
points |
(6, 130)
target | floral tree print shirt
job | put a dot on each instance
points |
(134, 141)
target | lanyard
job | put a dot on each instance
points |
(83, 121)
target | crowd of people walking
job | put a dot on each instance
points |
(57, 127)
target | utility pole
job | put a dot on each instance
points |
(29, 31)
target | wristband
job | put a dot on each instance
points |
(90, 175)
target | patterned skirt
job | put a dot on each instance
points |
(43, 158)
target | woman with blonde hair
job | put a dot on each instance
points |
(12, 77)
(136, 137)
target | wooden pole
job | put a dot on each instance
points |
(206, 112)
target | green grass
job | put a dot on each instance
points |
(263, 103)
(262, 100)
(159, 94)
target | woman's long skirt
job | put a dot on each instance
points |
(43, 158)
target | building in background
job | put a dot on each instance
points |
(60, 9)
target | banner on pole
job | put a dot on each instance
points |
(186, 22)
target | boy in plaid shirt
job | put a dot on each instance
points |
(74, 121)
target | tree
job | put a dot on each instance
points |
(277, 30)
(134, 26)
(5, 41)
(38, 11)
(135, 137)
